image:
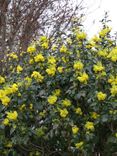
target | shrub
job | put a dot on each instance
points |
(60, 98)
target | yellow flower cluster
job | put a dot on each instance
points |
(12, 115)
(39, 58)
(37, 76)
(89, 126)
(13, 56)
(63, 49)
(31, 49)
(51, 70)
(2, 79)
(78, 111)
(66, 102)
(78, 65)
(75, 129)
(81, 35)
(44, 42)
(98, 67)
(51, 60)
(79, 145)
(113, 55)
(52, 99)
(104, 31)
(19, 69)
(63, 112)
(101, 96)
(113, 81)
(83, 78)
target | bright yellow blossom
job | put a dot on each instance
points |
(2, 79)
(63, 49)
(98, 67)
(89, 125)
(19, 69)
(31, 49)
(5, 100)
(5, 122)
(51, 71)
(78, 111)
(66, 103)
(57, 92)
(101, 96)
(60, 69)
(39, 58)
(81, 36)
(113, 90)
(63, 112)
(104, 31)
(78, 65)
(113, 55)
(75, 129)
(79, 145)
(52, 99)
(12, 115)
(83, 78)
(51, 60)
(37, 76)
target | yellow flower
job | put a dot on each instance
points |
(89, 125)
(113, 55)
(114, 90)
(66, 103)
(52, 99)
(39, 58)
(28, 81)
(101, 96)
(5, 122)
(43, 39)
(2, 79)
(63, 49)
(102, 53)
(94, 115)
(60, 69)
(112, 80)
(22, 107)
(79, 145)
(81, 36)
(83, 78)
(75, 129)
(51, 71)
(57, 92)
(45, 45)
(13, 55)
(5, 100)
(78, 65)
(51, 60)
(14, 88)
(98, 67)
(63, 113)
(37, 76)
(12, 115)
(31, 49)
(104, 31)
(54, 47)
(31, 61)
(31, 106)
(19, 69)
(78, 111)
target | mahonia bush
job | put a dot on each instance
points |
(60, 98)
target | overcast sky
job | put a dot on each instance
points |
(95, 13)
